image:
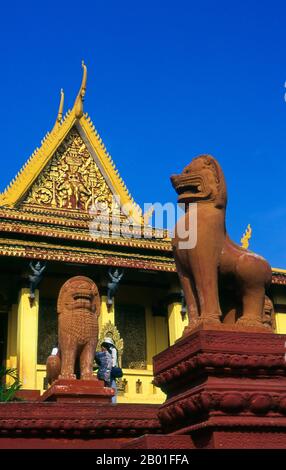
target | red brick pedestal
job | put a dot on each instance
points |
(78, 391)
(58, 425)
(225, 389)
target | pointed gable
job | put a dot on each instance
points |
(71, 179)
(71, 170)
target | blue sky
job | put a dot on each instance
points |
(166, 81)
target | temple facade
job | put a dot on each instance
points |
(69, 213)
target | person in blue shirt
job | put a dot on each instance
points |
(106, 359)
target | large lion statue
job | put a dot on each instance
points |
(215, 267)
(78, 308)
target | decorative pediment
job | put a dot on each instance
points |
(71, 180)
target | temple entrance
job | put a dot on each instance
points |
(3, 337)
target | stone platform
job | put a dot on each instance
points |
(78, 391)
(58, 425)
(225, 389)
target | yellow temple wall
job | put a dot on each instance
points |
(22, 339)
(161, 331)
(279, 299)
(138, 382)
(177, 324)
(12, 337)
(105, 314)
(280, 321)
(150, 337)
(27, 339)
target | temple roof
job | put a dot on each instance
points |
(278, 276)
(71, 169)
(70, 185)
(68, 202)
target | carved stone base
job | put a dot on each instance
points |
(240, 326)
(54, 425)
(225, 389)
(79, 391)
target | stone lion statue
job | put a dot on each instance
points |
(78, 309)
(268, 317)
(215, 263)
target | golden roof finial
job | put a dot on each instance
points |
(246, 237)
(61, 106)
(60, 111)
(78, 104)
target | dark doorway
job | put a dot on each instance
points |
(3, 337)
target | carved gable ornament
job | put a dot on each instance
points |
(71, 180)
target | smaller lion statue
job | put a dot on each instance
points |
(215, 266)
(78, 309)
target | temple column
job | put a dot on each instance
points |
(150, 337)
(105, 314)
(12, 338)
(27, 338)
(175, 321)
(161, 333)
(279, 303)
(280, 323)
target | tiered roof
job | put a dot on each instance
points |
(52, 208)
(66, 191)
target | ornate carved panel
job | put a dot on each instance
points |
(71, 180)
(130, 321)
(47, 329)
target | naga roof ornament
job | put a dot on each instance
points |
(78, 104)
(60, 111)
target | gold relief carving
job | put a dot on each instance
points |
(71, 180)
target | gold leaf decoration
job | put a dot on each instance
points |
(72, 180)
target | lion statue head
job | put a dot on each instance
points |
(79, 294)
(201, 181)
